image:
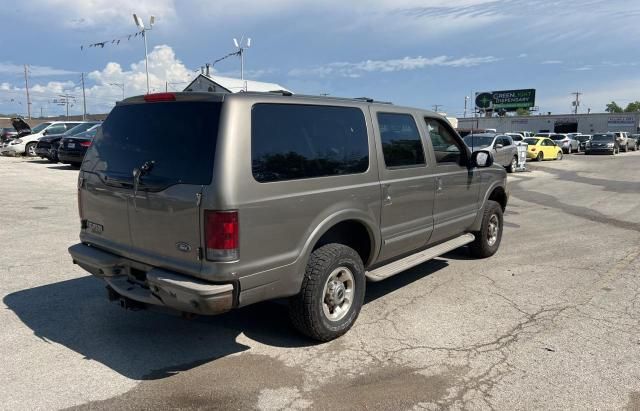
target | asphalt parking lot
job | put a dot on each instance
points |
(552, 321)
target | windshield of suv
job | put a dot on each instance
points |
(40, 127)
(478, 141)
(602, 137)
(558, 137)
(178, 137)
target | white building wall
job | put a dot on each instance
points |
(586, 123)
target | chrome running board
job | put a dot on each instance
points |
(405, 263)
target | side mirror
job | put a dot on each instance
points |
(481, 159)
(498, 146)
(44, 133)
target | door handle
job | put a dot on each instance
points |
(438, 184)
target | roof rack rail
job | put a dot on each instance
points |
(370, 100)
(283, 92)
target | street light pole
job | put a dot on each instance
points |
(140, 25)
(121, 85)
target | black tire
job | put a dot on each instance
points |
(626, 148)
(540, 156)
(513, 165)
(560, 155)
(587, 153)
(30, 149)
(481, 246)
(306, 308)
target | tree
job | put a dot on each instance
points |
(613, 108)
(631, 107)
(523, 112)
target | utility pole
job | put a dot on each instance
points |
(41, 115)
(576, 103)
(84, 101)
(65, 101)
(144, 31)
(436, 107)
(26, 86)
(466, 98)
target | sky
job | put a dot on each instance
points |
(409, 52)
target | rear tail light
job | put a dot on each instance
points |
(533, 149)
(85, 143)
(222, 235)
(150, 98)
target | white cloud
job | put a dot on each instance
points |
(101, 95)
(100, 13)
(523, 55)
(551, 62)
(34, 71)
(346, 69)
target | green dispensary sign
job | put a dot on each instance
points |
(509, 100)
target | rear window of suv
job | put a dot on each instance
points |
(178, 137)
(293, 141)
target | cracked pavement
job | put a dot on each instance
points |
(551, 321)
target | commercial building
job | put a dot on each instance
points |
(556, 123)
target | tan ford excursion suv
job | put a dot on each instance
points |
(205, 202)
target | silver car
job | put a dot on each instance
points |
(501, 145)
(568, 143)
(272, 195)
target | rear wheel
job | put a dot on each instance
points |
(30, 150)
(540, 156)
(332, 293)
(513, 165)
(559, 155)
(488, 238)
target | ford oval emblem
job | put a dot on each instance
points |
(184, 247)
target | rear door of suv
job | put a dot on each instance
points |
(144, 173)
(407, 180)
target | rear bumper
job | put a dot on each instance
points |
(600, 150)
(159, 287)
(70, 156)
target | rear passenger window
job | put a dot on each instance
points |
(401, 144)
(445, 146)
(292, 141)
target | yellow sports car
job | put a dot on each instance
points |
(542, 148)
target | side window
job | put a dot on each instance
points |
(401, 143)
(293, 141)
(506, 141)
(445, 146)
(56, 129)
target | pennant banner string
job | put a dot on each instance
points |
(114, 42)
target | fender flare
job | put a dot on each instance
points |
(477, 223)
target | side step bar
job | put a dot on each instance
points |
(398, 266)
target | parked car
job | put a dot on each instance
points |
(567, 143)
(543, 148)
(27, 144)
(7, 133)
(501, 146)
(517, 138)
(71, 150)
(47, 146)
(603, 143)
(273, 195)
(622, 137)
(583, 139)
(634, 141)
(525, 134)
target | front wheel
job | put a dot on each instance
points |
(30, 150)
(513, 165)
(488, 238)
(332, 293)
(559, 155)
